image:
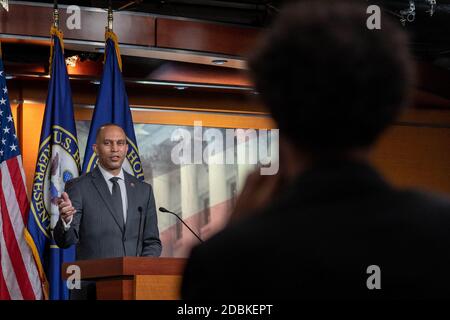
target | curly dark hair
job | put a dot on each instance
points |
(330, 83)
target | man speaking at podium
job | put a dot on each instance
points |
(108, 212)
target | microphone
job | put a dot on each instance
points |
(140, 232)
(162, 209)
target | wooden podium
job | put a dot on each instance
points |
(133, 278)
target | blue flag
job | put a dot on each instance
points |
(112, 107)
(58, 161)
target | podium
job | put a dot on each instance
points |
(132, 278)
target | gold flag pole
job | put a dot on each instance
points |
(109, 34)
(54, 30)
(55, 15)
(109, 27)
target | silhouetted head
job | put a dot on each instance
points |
(331, 84)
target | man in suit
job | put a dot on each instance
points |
(328, 225)
(108, 212)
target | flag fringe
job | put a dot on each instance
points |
(111, 35)
(58, 33)
(29, 240)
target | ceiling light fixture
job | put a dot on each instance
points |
(219, 62)
(408, 14)
(432, 4)
(72, 61)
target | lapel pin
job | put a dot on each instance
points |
(132, 184)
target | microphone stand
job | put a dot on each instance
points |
(162, 209)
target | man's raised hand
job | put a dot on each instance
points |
(66, 210)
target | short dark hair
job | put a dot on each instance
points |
(330, 83)
(97, 134)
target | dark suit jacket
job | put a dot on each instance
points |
(318, 239)
(99, 231)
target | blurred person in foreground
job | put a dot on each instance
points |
(322, 226)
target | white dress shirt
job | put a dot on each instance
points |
(123, 189)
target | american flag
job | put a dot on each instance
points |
(19, 277)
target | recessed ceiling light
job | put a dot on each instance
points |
(95, 81)
(219, 61)
(180, 87)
